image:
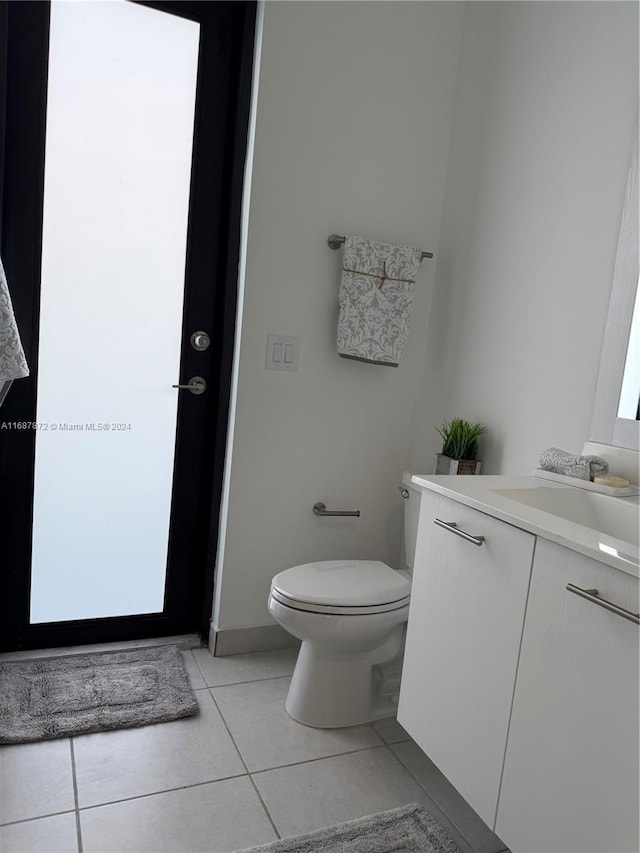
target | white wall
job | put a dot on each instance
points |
(545, 113)
(353, 134)
(353, 126)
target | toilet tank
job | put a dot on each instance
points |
(411, 512)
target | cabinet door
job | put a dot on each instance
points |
(463, 636)
(571, 771)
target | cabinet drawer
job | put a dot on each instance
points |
(463, 637)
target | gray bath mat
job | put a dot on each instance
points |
(408, 829)
(63, 696)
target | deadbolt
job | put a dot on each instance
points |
(200, 341)
(197, 385)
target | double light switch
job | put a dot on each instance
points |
(283, 352)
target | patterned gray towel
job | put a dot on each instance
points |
(13, 364)
(571, 465)
(376, 299)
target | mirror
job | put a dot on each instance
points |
(629, 405)
(615, 413)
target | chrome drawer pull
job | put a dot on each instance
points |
(592, 595)
(453, 527)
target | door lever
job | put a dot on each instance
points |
(197, 385)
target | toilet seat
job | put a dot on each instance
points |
(342, 586)
(339, 609)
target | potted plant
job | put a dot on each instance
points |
(459, 454)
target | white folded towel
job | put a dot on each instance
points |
(572, 465)
(376, 298)
(13, 364)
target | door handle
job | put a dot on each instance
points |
(197, 385)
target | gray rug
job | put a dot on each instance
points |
(408, 829)
(63, 696)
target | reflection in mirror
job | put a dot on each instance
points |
(615, 410)
(629, 406)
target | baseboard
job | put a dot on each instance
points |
(237, 641)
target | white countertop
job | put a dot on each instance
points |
(479, 492)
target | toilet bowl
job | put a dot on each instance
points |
(341, 642)
(351, 618)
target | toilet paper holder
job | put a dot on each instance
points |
(320, 509)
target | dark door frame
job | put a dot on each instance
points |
(221, 127)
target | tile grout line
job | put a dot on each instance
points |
(249, 774)
(249, 681)
(213, 781)
(383, 745)
(238, 683)
(159, 793)
(264, 805)
(306, 760)
(75, 796)
(36, 817)
(234, 775)
(320, 758)
(210, 781)
(244, 764)
(233, 683)
(195, 660)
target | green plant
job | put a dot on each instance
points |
(460, 438)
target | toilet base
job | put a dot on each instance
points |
(331, 689)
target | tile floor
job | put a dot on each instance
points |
(240, 773)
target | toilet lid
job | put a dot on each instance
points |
(343, 582)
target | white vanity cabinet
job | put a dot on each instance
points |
(571, 770)
(463, 638)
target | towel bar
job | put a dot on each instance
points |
(334, 241)
(321, 509)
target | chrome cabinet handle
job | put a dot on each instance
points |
(321, 509)
(453, 527)
(197, 385)
(593, 596)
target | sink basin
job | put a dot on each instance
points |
(616, 517)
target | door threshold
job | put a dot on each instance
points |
(182, 641)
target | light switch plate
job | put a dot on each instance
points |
(283, 352)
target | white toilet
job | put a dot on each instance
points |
(351, 617)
